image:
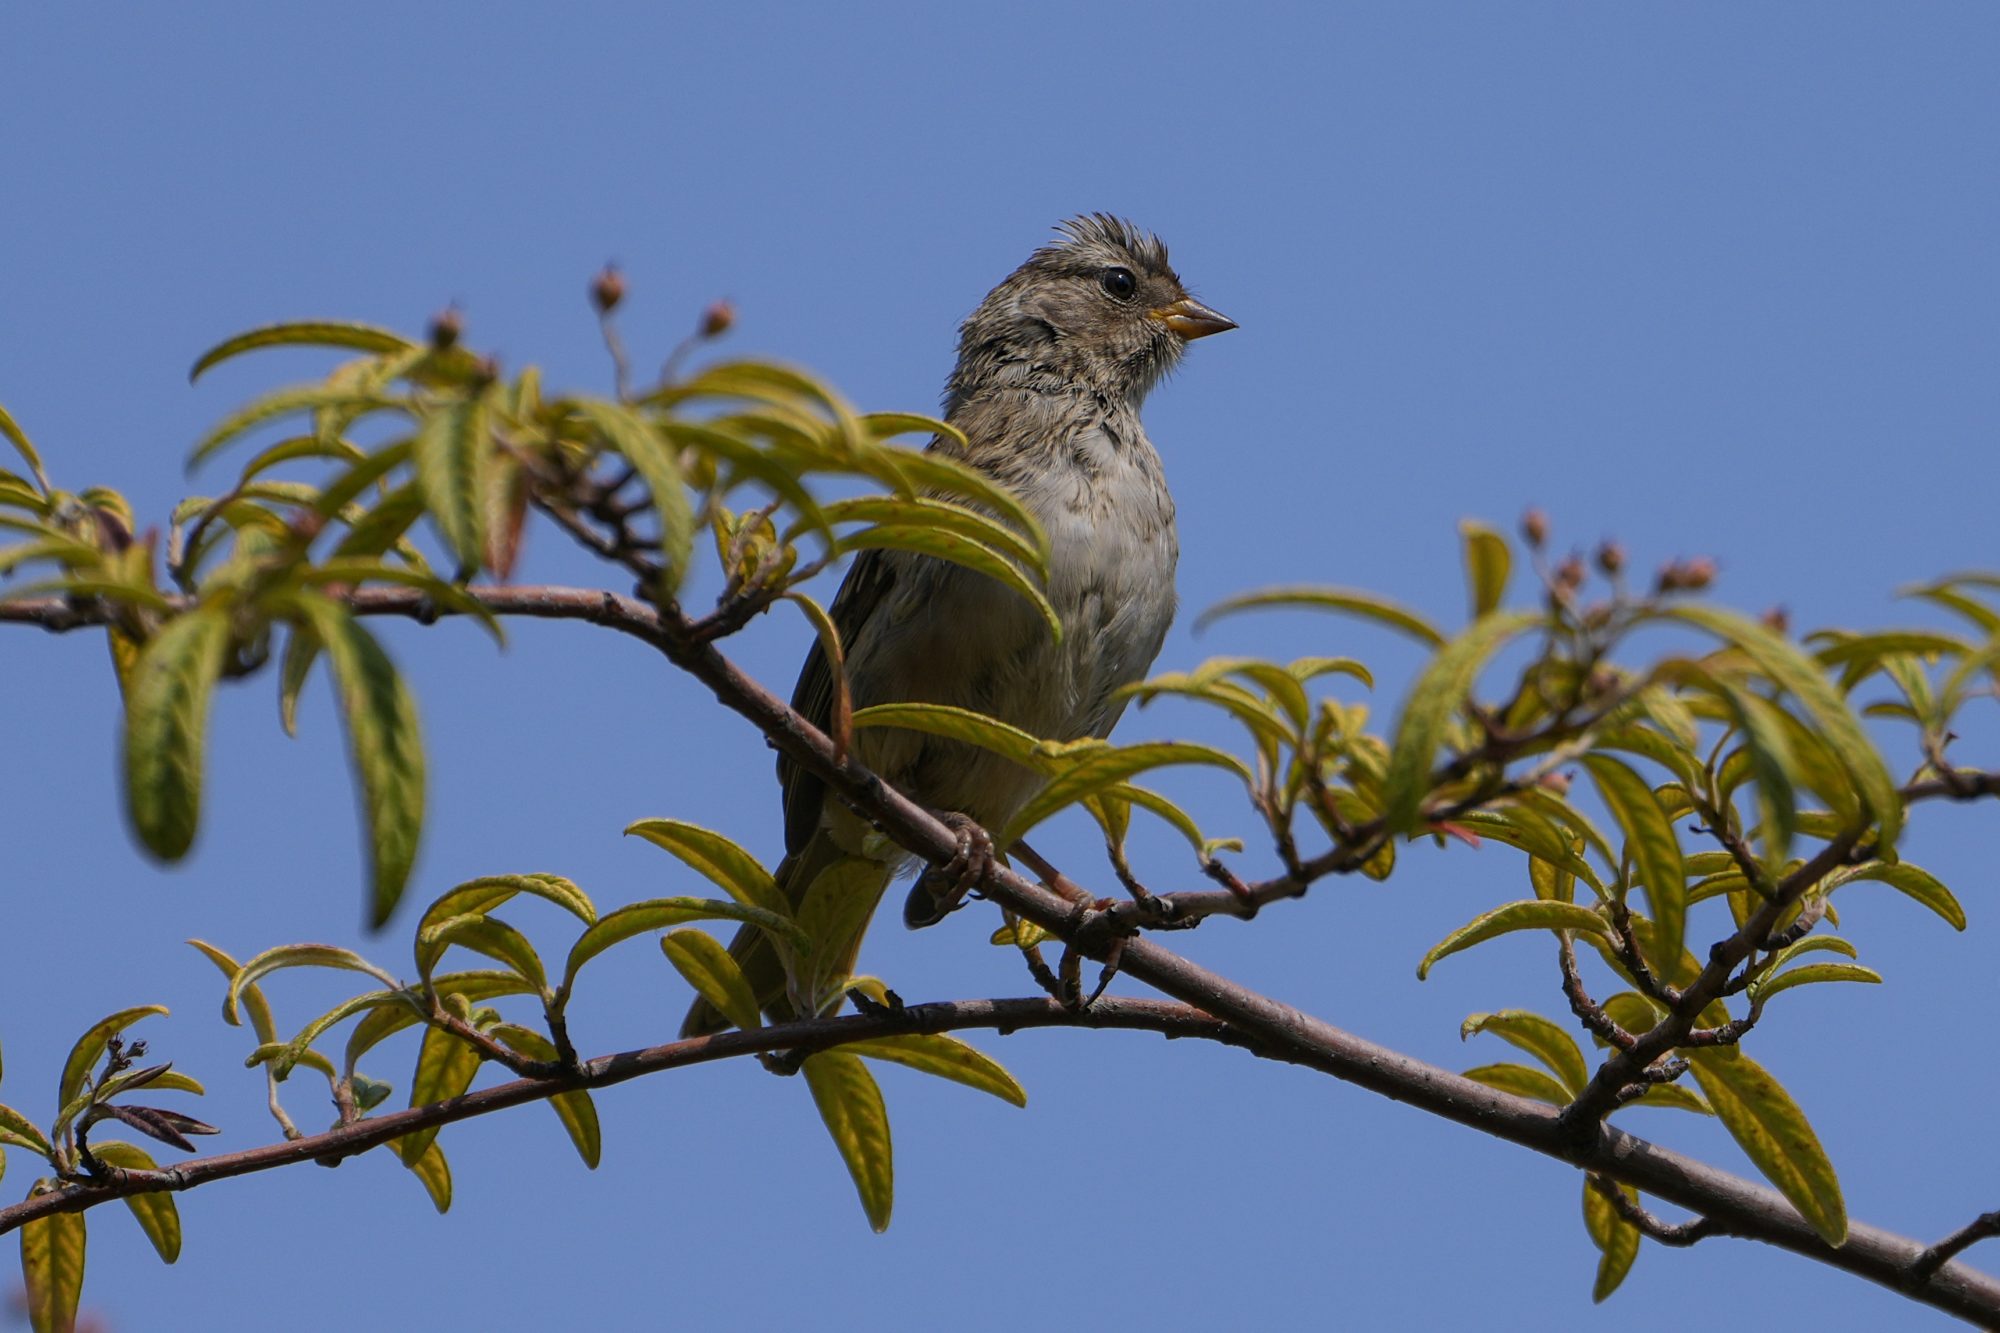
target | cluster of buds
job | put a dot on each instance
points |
(1685, 575)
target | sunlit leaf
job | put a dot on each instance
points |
(1918, 883)
(14, 435)
(705, 965)
(483, 935)
(659, 913)
(1488, 563)
(491, 891)
(286, 402)
(643, 447)
(1539, 1037)
(575, 1109)
(1810, 974)
(851, 1106)
(1528, 914)
(1616, 1239)
(157, 1214)
(1768, 1125)
(959, 724)
(1649, 841)
(52, 1250)
(451, 449)
(1366, 605)
(1109, 767)
(945, 1057)
(434, 1172)
(1521, 1081)
(295, 955)
(944, 544)
(1439, 693)
(91, 1046)
(316, 333)
(446, 1066)
(166, 721)
(722, 861)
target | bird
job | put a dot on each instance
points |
(1053, 368)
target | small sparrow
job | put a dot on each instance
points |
(1052, 369)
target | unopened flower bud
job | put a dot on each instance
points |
(1777, 620)
(446, 326)
(715, 320)
(607, 289)
(1554, 782)
(1610, 557)
(1535, 528)
(1698, 573)
(1570, 574)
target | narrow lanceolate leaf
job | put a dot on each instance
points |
(20, 1132)
(1768, 1125)
(1439, 693)
(17, 437)
(483, 935)
(959, 724)
(1650, 844)
(833, 913)
(936, 473)
(851, 1105)
(946, 1057)
(1522, 1082)
(386, 1020)
(385, 744)
(840, 725)
(284, 402)
(52, 1268)
(1363, 604)
(1528, 914)
(360, 337)
(705, 965)
(450, 449)
(1539, 1037)
(659, 913)
(721, 860)
(157, 1214)
(1918, 883)
(1787, 666)
(1811, 974)
(575, 1110)
(90, 1046)
(1107, 768)
(943, 544)
(445, 1068)
(648, 452)
(294, 955)
(166, 721)
(1616, 1239)
(921, 511)
(1488, 562)
(435, 1174)
(491, 891)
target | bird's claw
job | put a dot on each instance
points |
(942, 890)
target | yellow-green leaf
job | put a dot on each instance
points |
(1488, 563)
(157, 1214)
(1366, 605)
(1918, 883)
(1521, 1081)
(576, 1111)
(385, 743)
(1768, 1125)
(1616, 1239)
(91, 1044)
(14, 435)
(702, 961)
(434, 1173)
(659, 913)
(851, 1105)
(726, 864)
(647, 451)
(445, 1068)
(1810, 974)
(166, 722)
(1539, 1037)
(1650, 844)
(959, 724)
(946, 1057)
(294, 955)
(450, 448)
(1439, 693)
(1106, 768)
(313, 333)
(52, 1267)
(1528, 914)
(943, 544)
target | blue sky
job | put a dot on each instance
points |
(1715, 279)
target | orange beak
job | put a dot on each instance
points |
(1191, 319)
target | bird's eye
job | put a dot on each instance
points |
(1119, 283)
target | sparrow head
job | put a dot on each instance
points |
(1100, 308)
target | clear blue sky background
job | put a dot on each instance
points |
(1713, 278)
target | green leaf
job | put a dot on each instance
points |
(21, 1132)
(261, 1021)
(282, 1059)
(1528, 914)
(315, 333)
(576, 1110)
(937, 472)
(91, 1045)
(1488, 563)
(1768, 1125)
(491, 891)
(1539, 1037)
(722, 861)
(1104, 768)
(702, 961)
(385, 744)
(52, 1250)
(1521, 1081)
(1918, 883)
(1650, 843)
(659, 913)
(1616, 1239)
(647, 451)
(450, 449)
(434, 1172)
(851, 1105)
(832, 914)
(446, 1066)
(922, 511)
(1786, 666)
(1439, 693)
(1811, 973)
(1364, 604)
(959, 724)
(387, 1020)
(946, 1057)
(943, 544)
(483, 935)
(1672, 1096)
(285, 402)
(166, 722)
(448, 596)
(295, 955)
(157, 1214)
(17, 437)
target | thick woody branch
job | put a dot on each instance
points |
(1272, 1029)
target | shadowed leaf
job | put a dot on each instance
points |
(851, 1106)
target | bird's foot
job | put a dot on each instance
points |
(942, 890)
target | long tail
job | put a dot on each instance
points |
(752, 950)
